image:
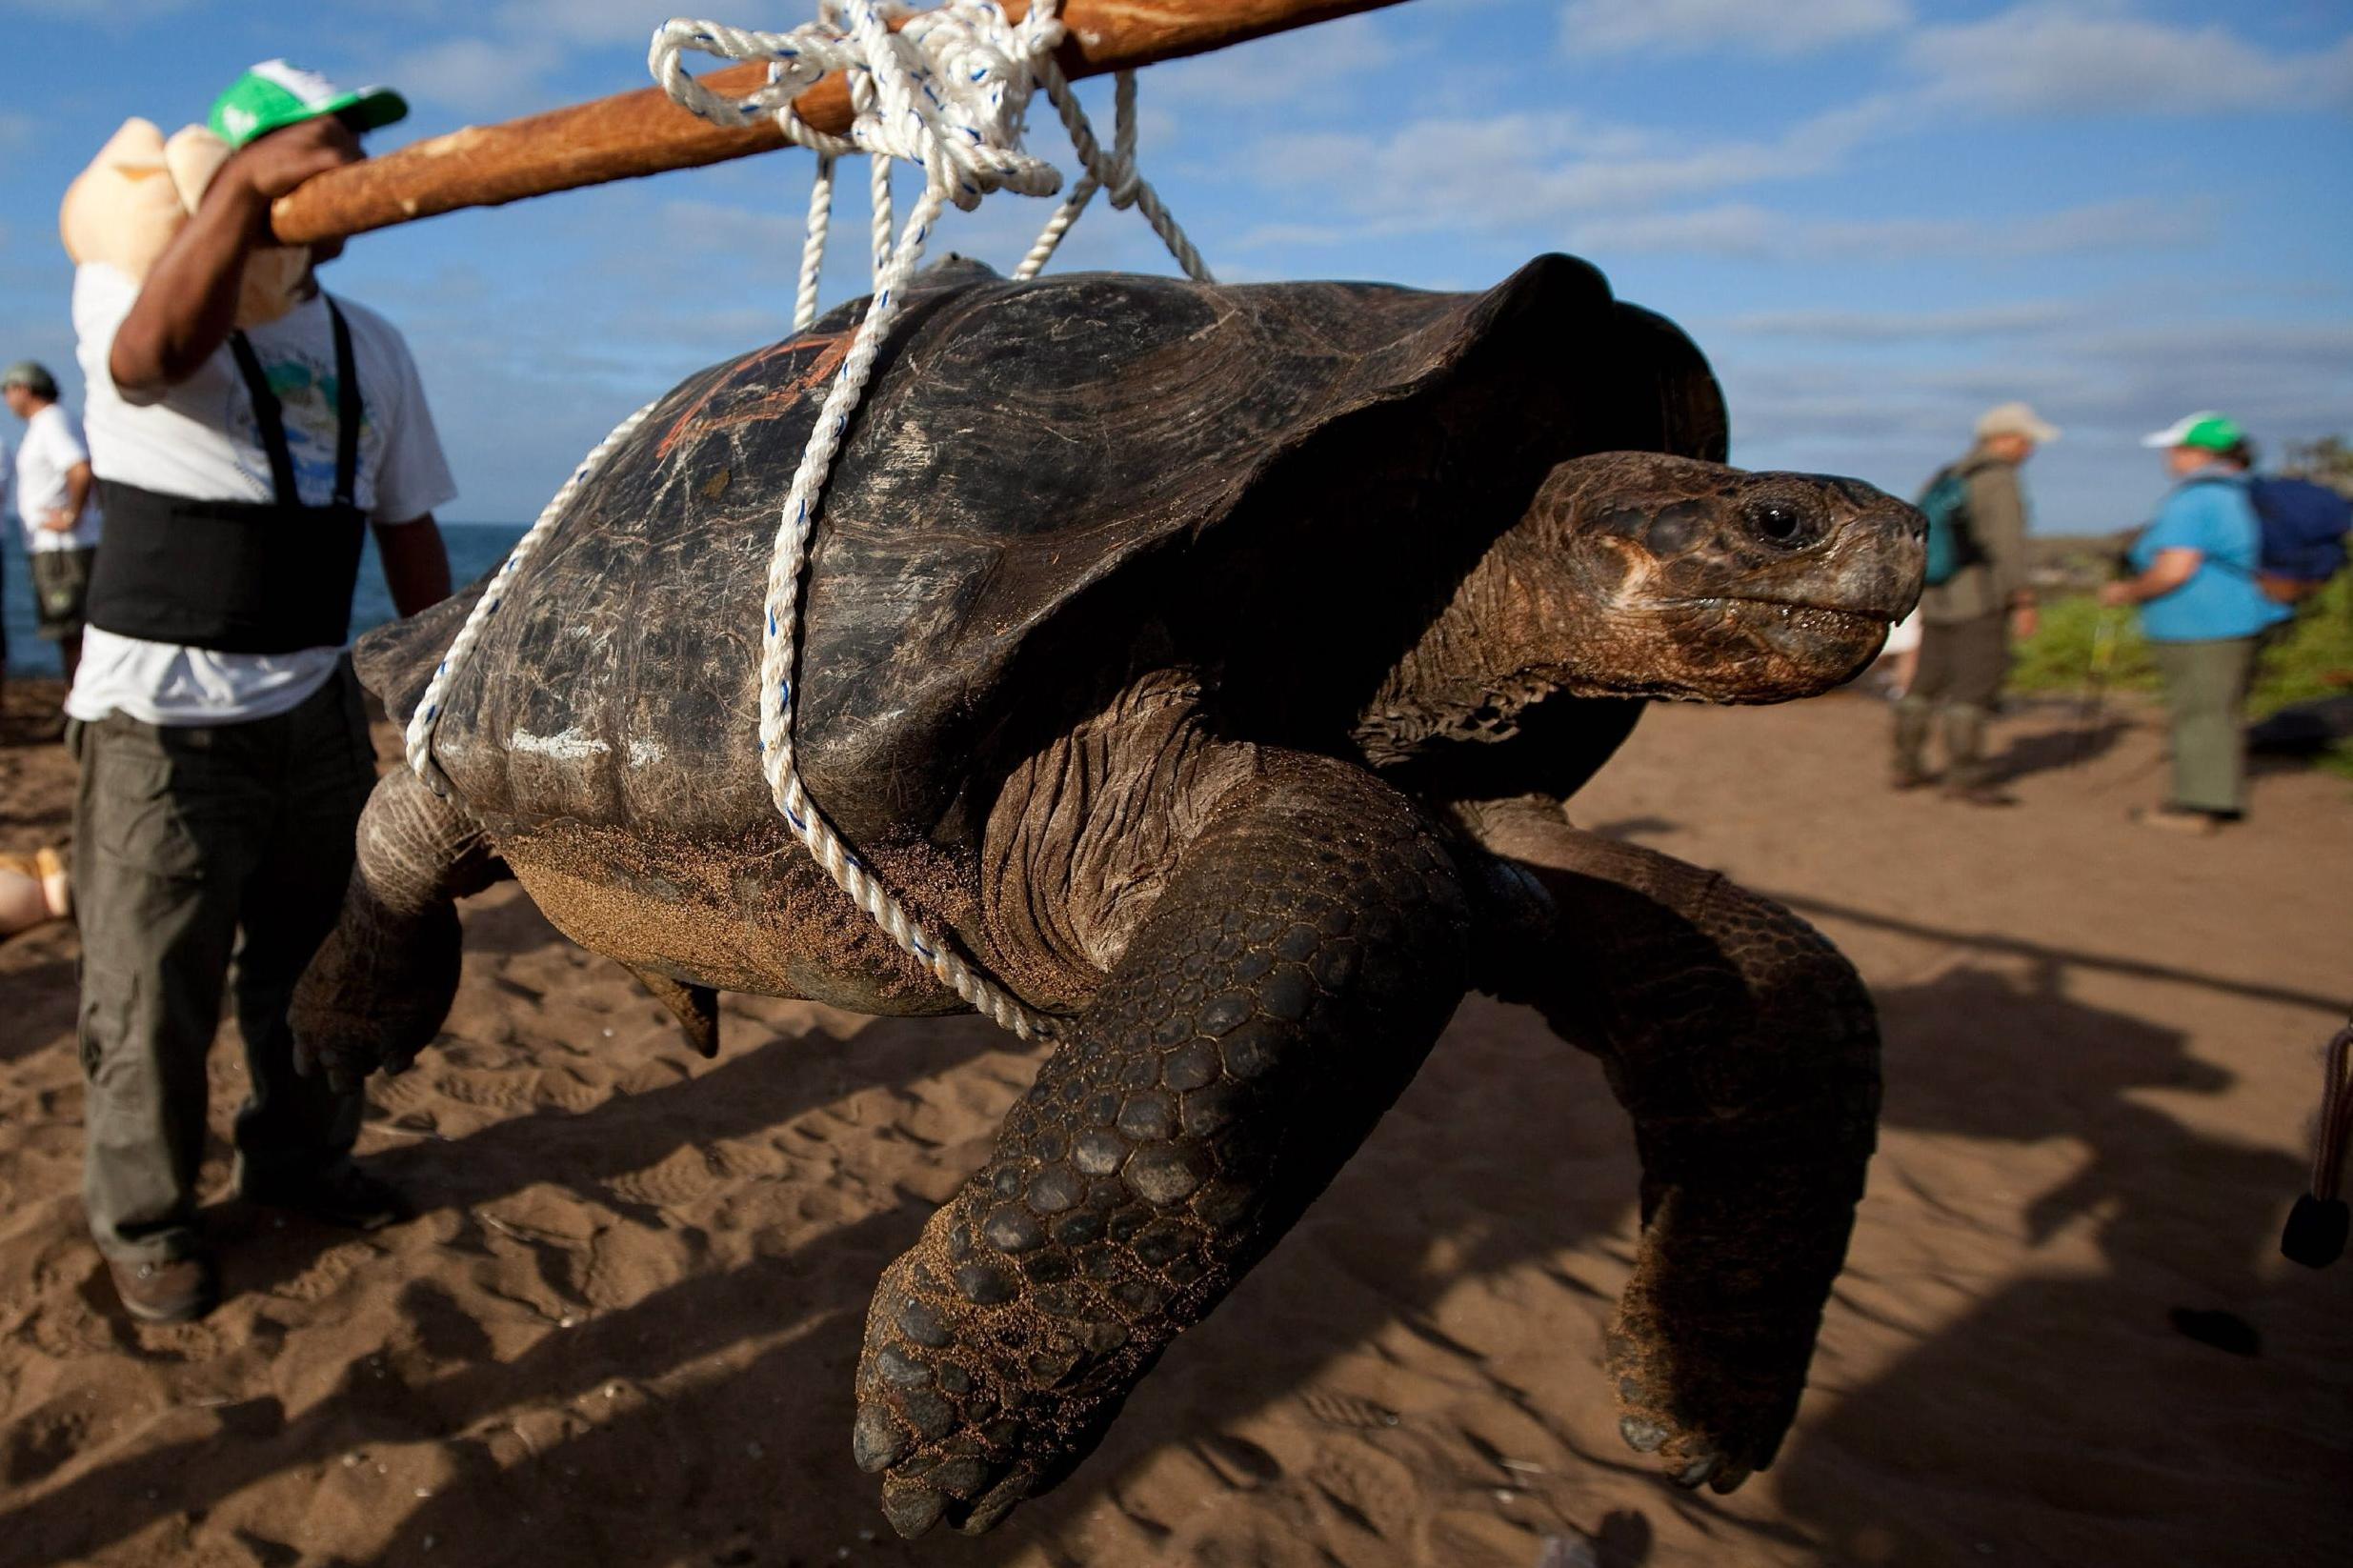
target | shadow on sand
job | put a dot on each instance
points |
(2065, 1417)
(2069, 1389)
(809, 1302)
(2083, 741)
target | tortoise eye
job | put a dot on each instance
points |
(1778, 523)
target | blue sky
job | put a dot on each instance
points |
(1877, 216)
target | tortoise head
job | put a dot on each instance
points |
(1644, 574)
(1638, 575)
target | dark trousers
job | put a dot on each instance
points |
(207, 857)
(2205, 692)
(1962, 665)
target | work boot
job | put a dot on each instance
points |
(2184, 819)
(1967, 778)
(342, 1194)
(178, 1291)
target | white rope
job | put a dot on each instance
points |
(1116, 173)
(812, 249)
(947, 92)
(418, 739)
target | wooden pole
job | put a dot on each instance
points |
(643, 132)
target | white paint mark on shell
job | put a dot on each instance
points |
(565, 746)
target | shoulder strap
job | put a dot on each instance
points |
(347, 408)
(269, 416)
(2207, 558)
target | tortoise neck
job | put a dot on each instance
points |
(1503, 642)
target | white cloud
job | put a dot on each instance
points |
(482, 77)
(505, 70)
(2105, 368)
(1742, 229)
(2092, 56)
(1690, 27)
(1315, 65)
(1524, 169)
(593, 21)
(1832, 324)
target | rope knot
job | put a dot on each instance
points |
(948, 90)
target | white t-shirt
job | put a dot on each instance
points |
(199, 438)
(52, 446)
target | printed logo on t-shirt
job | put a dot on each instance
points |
(307, 390)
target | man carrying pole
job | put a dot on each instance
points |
(248, 431)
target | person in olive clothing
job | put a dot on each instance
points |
(243, 452)
(1967, 621)
(2203, 612)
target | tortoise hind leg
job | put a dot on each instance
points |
(695, 1007)
(1308, 949)
(1747, 1050)
(379, 987)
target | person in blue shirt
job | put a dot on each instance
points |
(2203, 612)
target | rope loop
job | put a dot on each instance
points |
(949, 91)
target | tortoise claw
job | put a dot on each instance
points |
(1641, 1433)
(878, 1441)
(999, 1501)
(1697, 1472)
(911, 1506)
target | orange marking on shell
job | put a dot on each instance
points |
(830, 350)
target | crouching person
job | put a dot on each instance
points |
(246, 430)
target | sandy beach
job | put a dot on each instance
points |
(622, 1333)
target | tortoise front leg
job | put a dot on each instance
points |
(1747, 1050)
(1308, 949)
(378, 988)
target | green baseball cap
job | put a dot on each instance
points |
(276, 94)
(2205, 430)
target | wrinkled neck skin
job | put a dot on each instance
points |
(1641, 575)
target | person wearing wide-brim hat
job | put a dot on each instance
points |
(2203, 612)
(1969, 618)
(248, 431)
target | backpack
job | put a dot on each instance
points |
(1951, 545)
(2302, 528)
(2304, 525)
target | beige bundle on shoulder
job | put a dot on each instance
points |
(125, 207)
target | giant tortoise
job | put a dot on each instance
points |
(1213, 663)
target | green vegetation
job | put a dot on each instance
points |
(2313, 660)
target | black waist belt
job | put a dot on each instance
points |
(239, 577)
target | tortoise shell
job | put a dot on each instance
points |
(1048, 484)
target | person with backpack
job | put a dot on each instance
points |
(1976, 598)
(2200, 586)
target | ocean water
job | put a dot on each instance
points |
(474, 548)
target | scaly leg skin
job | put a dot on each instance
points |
(1747, 1050)
(695, 1007)
(1308, 949)
(383, 981)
